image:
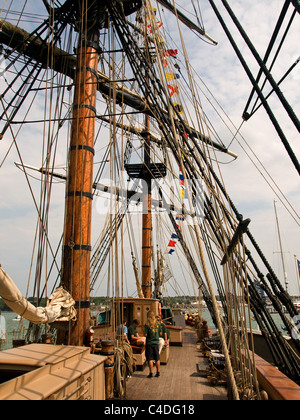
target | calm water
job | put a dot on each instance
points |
(17, 330)
(14, 329)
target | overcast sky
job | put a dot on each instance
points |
(223, 75)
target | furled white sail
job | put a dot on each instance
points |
(60, 306)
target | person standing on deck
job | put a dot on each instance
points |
(151, 332)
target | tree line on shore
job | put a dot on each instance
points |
(104, 301)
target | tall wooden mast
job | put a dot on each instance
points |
(147, 196)
(77, 233)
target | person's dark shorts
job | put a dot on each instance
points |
(152, 352)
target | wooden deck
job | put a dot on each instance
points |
(179, 380)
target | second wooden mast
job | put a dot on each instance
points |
(147, 215)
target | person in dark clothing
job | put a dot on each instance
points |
(152, 331)
(133, 335)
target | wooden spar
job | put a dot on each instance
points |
(147, 216)
(168, 5)
(78, 214)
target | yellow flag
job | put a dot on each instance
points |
(172, 76)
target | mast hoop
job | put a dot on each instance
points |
(82, 304)
(82, 69)
(78, 247)
(85, 106)
(80, 194)
(83, 147)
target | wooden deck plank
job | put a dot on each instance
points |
(179, 380)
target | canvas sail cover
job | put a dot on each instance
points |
(60, 305)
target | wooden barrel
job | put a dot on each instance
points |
(108, 351)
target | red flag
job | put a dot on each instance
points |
(159, 24)
(172, 244)
(174, 90)
(171, 53)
